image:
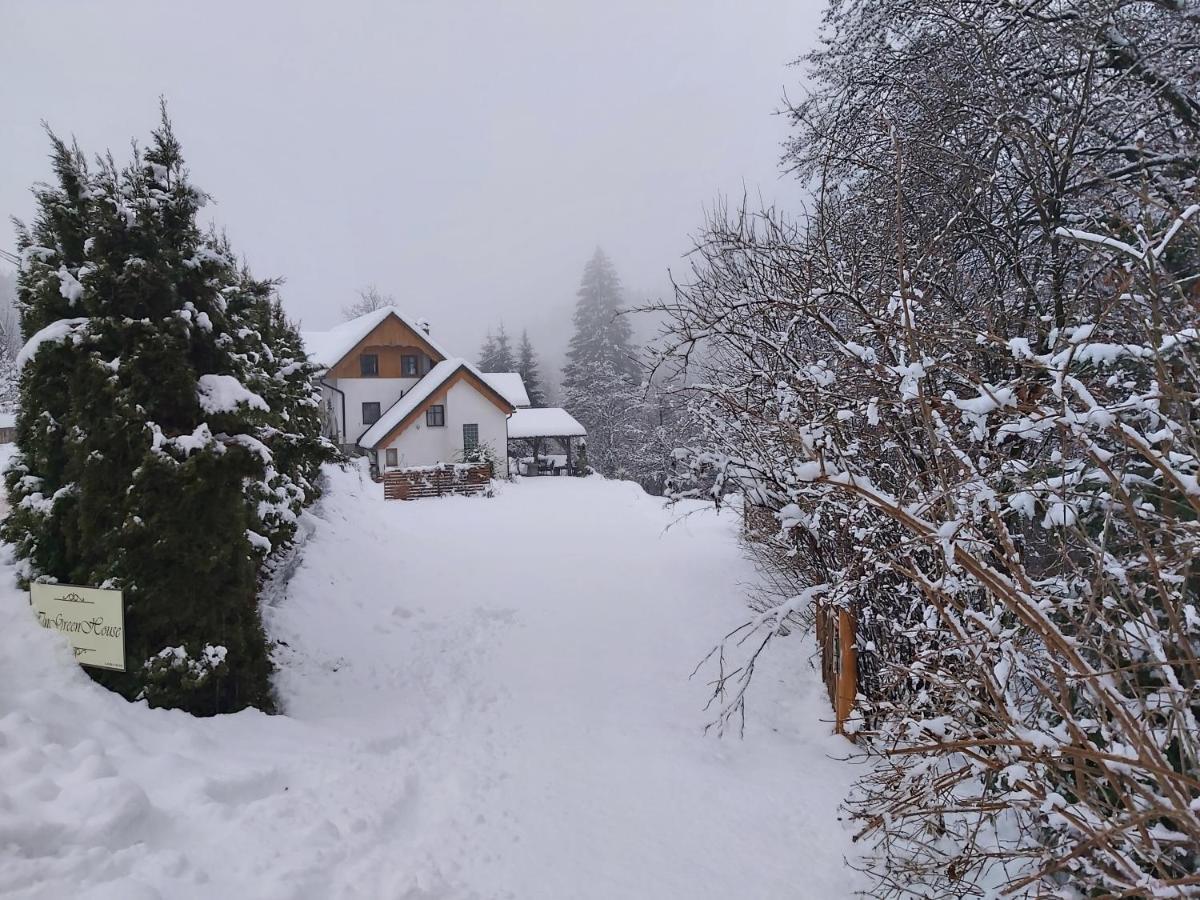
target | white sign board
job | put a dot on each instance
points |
(92, 619)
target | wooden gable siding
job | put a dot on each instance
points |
(439, 397)
(389, 340)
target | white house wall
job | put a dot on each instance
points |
(422, 445)
(384, 391)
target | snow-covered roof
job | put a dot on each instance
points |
(548, 421)
(509, 385)
(8, 420)
(420, 392)
(328, 348)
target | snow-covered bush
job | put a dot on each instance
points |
(967, 384)
(482, 452)
(173, 671)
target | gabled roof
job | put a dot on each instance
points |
(510, 384)
(396, 415)
(328, 348)
(544, 422)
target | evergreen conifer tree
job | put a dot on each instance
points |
(487, 353)
(502, 360)
(601, 377)
(149, 459)
(496, 354)
(272, 353)
(527, 366)
(602, 336)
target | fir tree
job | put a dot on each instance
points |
(527, 366)
(271, 351)
(143, 460)
(496, 353)
(600, 380)
(487, 352)
(602, 335)
(503, 360)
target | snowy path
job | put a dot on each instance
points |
(486, 698)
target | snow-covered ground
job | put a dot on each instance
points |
(486, 698)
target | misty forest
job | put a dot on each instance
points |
(850, 548)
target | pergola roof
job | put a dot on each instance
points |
(544, 422)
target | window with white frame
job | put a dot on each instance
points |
(470, 437)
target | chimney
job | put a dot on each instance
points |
(423, 324)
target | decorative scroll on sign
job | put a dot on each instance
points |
(92, 619)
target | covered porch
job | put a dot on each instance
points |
(546, 441)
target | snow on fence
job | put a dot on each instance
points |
(435, 481)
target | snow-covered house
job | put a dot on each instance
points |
(390, 391)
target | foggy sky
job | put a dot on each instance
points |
(466, 157)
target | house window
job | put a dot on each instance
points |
(470, 437)
(392, 456)
(368, 365)
(408, 366)
(370, 413)
(435, 416)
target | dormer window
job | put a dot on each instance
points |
(408, 366)
(368, 365)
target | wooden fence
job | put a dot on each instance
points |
(436, 481)
(839, 660)
(836, 630)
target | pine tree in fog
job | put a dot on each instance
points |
(601, 341)
(496, 354)
(527, 366)
(601, 380)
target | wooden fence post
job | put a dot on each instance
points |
(847, 677)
